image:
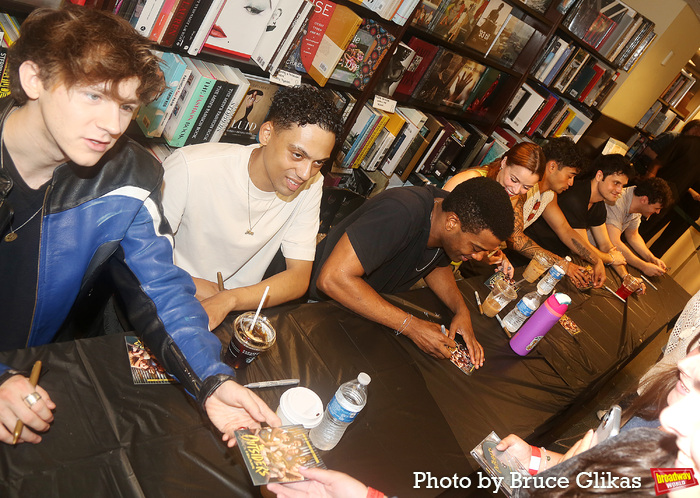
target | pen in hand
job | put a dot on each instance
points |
(33, 380)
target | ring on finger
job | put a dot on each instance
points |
(32, 399)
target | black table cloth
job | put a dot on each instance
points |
(113, 438)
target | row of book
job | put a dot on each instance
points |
(678, 88)
(491, 27)
(537, 111)
(443, 78)
(575, 73)
(408, 141)
(397, 11)
(612, 28)
(658, 119)
(205, 102)
(10, 29)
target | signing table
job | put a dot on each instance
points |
(113, 438)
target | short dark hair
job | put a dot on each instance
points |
(75, 45)
(564, 152)
(656, 190)
(690, 126)
(611, 164)
(481, 203)
(304, 104)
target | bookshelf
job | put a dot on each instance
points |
(514, 71)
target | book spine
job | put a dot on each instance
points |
(176, 23)
(171, 105)
(191, 24)
(204, 27)
(162, 20)
(206, 113)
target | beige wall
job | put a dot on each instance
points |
(645, 83)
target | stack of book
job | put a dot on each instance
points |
(537, 111)
(574, 72)
(612, 28)
(678, 88)
(658, 119)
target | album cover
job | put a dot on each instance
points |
(274, 454)
(499, 465)
(145, 368)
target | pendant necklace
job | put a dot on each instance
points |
(436, 252)
(12, 236)
(251, 226)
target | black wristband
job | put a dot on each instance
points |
(210, 385)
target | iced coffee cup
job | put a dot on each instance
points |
(539, 264)
(247, 342)
(501, 294)
(629, 285)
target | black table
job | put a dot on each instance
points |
(112, 438)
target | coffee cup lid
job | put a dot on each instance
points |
(301, 405)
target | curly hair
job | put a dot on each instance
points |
(481, 203)
(609, 164)
(304, 104)
(656, 189)
(74, 45)
(564, 152)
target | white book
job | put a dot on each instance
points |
(205, 27)
(148, 17)
(282, 18)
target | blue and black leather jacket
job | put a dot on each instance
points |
(112, 213)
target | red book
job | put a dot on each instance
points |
(540, 116)
(599, 72)
(323, 11)
(425, 52)
(179, 16)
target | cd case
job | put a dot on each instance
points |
(498, 464)
(274, 454)
(460, 357)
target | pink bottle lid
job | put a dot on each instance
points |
(558, 303)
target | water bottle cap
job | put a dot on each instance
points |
(364, 379)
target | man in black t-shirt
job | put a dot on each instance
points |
(403, 235)
(583, 207)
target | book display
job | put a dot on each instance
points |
(467, 75)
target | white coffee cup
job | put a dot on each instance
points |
(300, 406)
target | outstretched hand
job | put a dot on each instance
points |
(321, 484)
(233, 406)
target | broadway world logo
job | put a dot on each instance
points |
(667, 480)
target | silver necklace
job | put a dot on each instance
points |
(438, 249)
(12, 236)
(250, 227)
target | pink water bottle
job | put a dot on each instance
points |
(540, 323)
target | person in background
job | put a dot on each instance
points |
(405, 234)
(519, 172)
(624, 217)
(582, 207)
(677, 163)
(79, 197)
(233, 207)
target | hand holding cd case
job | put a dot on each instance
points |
(274, 454)
(498, 464)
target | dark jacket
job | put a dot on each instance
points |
(111, 213)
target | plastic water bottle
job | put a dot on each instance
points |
(540, 323)
(349, 399)
(522, 311)
(554, 275)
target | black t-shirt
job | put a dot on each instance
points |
(574, 204)
(389, 234)
(19, 260)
